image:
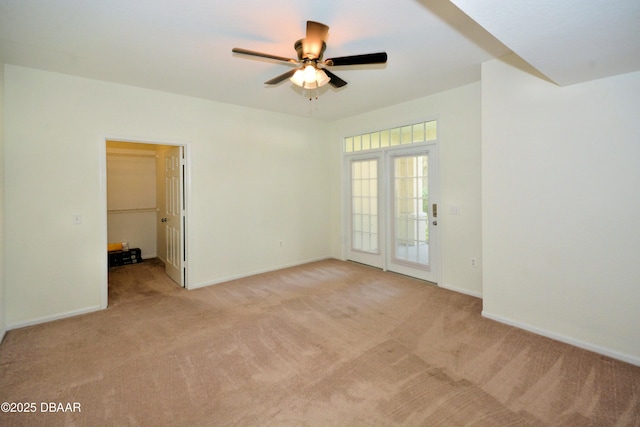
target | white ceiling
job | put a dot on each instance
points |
(569, 41)
(184, 47)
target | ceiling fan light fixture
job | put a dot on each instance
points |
(298, 78)
(309, 74)
(310, 78)
(322, 78)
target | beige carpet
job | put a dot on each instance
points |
(326, 344)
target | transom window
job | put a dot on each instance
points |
(402, 135)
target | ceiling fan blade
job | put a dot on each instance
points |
(263, 55)
(367, 58)
(281, 77)
(316, 30)
(335, 80)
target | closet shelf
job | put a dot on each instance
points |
(115, 211)
(149, 156)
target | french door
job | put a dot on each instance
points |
(393, 211)
(412, 206)
(366, 231)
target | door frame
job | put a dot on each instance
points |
(104, 293)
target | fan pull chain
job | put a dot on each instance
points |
(311, 93)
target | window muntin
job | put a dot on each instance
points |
(401, 135)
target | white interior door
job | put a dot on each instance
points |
(173, 215)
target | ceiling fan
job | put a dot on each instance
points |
(311, 71)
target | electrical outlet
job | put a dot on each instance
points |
(474, 263)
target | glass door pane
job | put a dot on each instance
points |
(411, 210)
(364, 206)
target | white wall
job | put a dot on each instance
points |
(256, 178)
(3, 324)
(561, 203)
(458, 115)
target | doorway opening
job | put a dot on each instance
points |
(146, 205)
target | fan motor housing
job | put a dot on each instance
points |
(310, 49)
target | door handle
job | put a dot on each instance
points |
(163, 220)
(435, 222)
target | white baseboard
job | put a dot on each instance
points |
(629, 358)
(253, 273)
(58, 316)
(460, 290)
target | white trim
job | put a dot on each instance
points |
(53, 317)
(461, 290)
(628, 358)
(103, 218)
(253, 273)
